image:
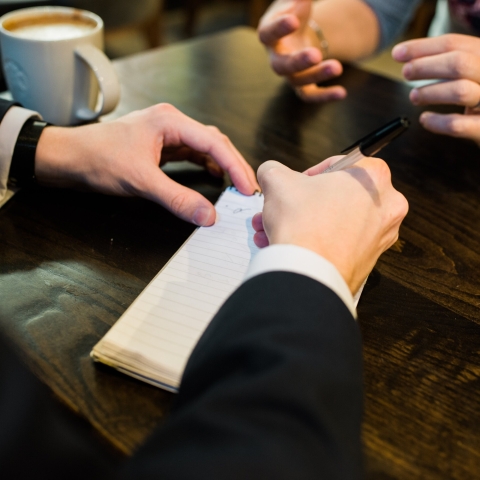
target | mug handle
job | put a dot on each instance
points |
(107, 81)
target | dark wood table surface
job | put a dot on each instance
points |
(71, 263)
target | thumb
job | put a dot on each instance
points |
(270, 174)
(181, 201)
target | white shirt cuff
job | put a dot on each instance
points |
(10, 128)
(291, 258)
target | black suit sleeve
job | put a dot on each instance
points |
(273, 390)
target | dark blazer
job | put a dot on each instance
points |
(272, 391)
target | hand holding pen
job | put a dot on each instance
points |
(331, 191)
(347, 219)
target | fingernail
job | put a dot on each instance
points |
(399, 52)
(424, 117)
(202, 216)
(414, 96)
(407, 70)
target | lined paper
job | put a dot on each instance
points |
(156, 335)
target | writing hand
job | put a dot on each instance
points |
(456, 60)
(260, 238)
(122, 157)
(294, 52)
(349, 217)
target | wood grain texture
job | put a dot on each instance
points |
(71, 263)
(422, 370)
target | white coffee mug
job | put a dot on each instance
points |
(54, 63)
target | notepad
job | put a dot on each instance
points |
(154, 338)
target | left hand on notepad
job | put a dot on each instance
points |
(122, 158)
(349, 217)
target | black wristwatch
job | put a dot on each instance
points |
(22, 168)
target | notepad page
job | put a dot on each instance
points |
(157, 334)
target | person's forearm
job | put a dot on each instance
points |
(52, 158)
(350, 27)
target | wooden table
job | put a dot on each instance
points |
(71, 262)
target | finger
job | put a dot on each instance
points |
(181, 201)
(209, 140)
(186, 153)
(455, 125)
(292, 63)
(271, 31)
(318, 73)
(207, 162)
(406, 51)
(213, 168)
(257, 222)
(241, 173)
(451, 65)
(265, 177)
(243, 177)
(314, 94)
(322, 166)
(455, 92)
(261, 240)
(173, 154)
(366, 162)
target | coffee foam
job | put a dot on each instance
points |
(50, 27)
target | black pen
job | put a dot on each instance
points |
(371, 144)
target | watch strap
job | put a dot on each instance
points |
(22, 168)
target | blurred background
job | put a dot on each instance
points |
(132, 26)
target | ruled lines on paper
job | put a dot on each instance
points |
(163, 325)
